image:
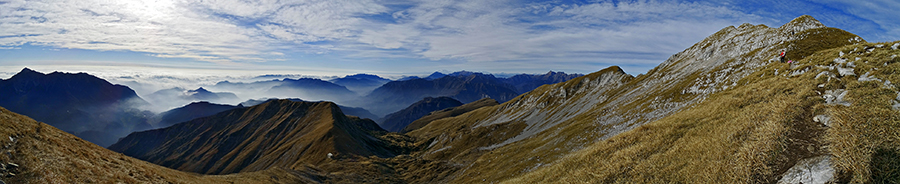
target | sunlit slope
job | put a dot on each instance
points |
(756, 131)
(44, 154)
(538, 128)
(278, 133)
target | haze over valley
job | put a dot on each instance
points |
(331, 91)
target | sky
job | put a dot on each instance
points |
(389, 37)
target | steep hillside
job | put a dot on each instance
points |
(448, 112)
(554, 120)
(188, 112)
(278, 133)
(396, 121)
(832, 116)
(35, 152)
(466, 88)
(85, 105)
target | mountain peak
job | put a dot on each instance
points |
(27, 72)
(199, 90)
(802, 23)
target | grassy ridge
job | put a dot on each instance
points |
(753, 133)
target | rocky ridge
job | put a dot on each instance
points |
(558, 119)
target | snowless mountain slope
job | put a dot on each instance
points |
(448, 112)
(554, 120)
(396, 121)
(34, 152)
(278, 133)
(832, 117)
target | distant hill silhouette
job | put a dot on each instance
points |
(360, 83)
(528, 82)
(278, 133)
(178, 96)
(467, 87)
(82, 104)
(189, 112)
(314, 89)
(396, 121)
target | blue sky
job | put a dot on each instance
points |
(394, 37)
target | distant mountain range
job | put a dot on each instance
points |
(179, 96)
(360, 83)
(198, 94)
(396, 121)
(278, 133)
(82, 104)
(313, 89)
(528, 82)
(188, 112)
(397, 95)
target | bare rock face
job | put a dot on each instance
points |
(816, 170)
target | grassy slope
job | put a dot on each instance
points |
(686, 79)
(460, 140)
(448, 112)
(48, 155)
(754, 132)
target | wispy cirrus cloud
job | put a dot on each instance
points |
(577, 36)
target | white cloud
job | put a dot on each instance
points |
(882, 12)
(551, 35)
(469, 32)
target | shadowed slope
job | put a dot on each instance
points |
(396, 121)
(82, 104)
(189, 112)
(44, 154)
(278, 133)
(449, 112)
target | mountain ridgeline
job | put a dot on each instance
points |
(278, 133)
(397, 95)
(724, 110)
(674, 121)
(188, 112)
(396, 121)
(81, 104)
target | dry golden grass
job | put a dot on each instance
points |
(753, 133)
(48, 155)
(865, 137)
(733, 137)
